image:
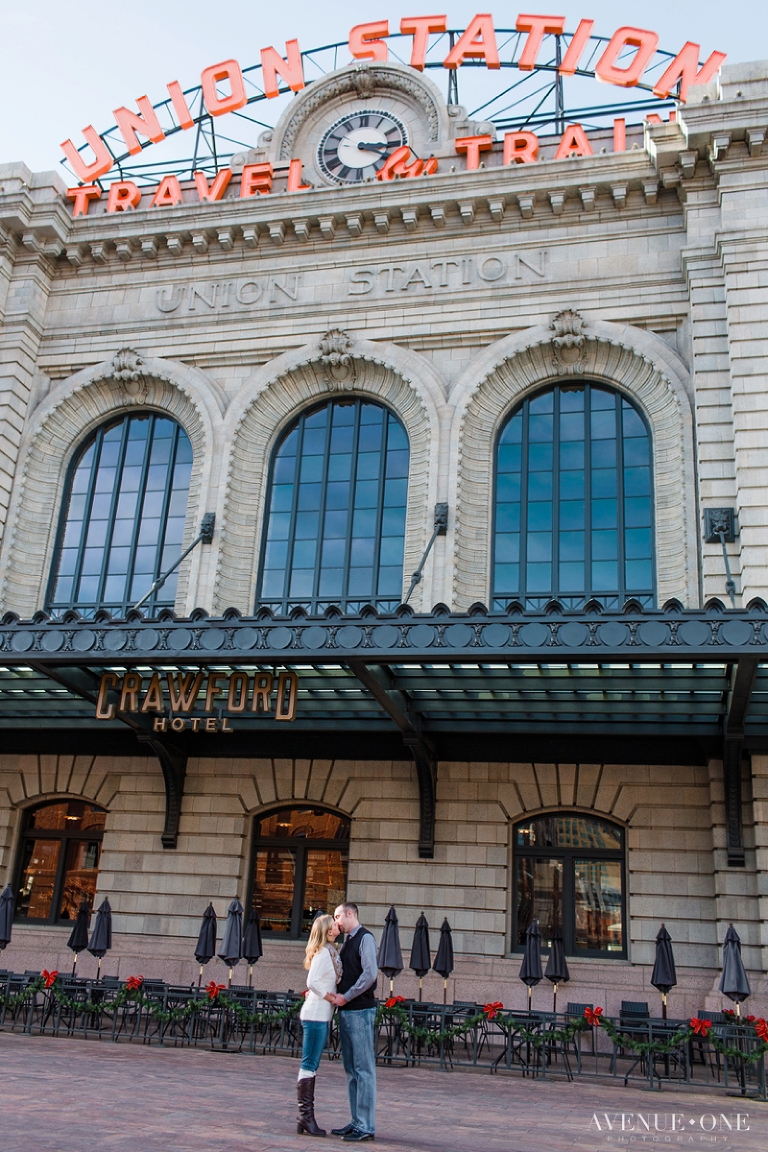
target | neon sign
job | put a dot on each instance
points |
(623, 62)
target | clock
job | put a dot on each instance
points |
(356, 146)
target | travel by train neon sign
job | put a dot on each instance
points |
(624, 60)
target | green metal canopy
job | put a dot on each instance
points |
(670, 685)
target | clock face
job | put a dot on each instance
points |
(359, 144)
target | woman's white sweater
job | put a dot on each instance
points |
(321, 979)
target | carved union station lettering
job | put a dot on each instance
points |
(454, 275)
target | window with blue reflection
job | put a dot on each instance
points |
(335, 531)
(124, 515)
(573, 501)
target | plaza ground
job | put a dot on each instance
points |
(83, 1096)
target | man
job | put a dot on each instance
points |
(356, 1002)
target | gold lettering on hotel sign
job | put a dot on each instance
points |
(177, 694)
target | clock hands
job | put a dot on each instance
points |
(362, 146)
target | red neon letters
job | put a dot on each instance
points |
(223, 85)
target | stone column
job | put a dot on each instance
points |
(735, 889)
(33, 220)
(760, 806)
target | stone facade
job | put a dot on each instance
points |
(446, 291)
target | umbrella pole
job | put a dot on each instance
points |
(250, 975)
(200, 976)
(391, 985)
(98, 972)
(530, 993)
(663, 1005)
(74, 965)
(421, 987)
(554, 998)
(738, 1008)
(445, 990)
(230, 977)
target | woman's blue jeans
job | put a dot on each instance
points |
(315, 1036)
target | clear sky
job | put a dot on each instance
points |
(65, 65)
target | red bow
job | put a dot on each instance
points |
(49, 977)
(394, 1000)
(592, 1016)
(700, 1027)
(213, 989)
(492, 1009)
(133, 983)
(761, 1028)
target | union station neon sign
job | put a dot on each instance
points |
(623, 62)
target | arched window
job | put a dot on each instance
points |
(569, 875)
(300, 868)
(573, 509)
(59, 860)
(123, 519)
(337, 501)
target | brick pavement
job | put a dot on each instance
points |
(81, 1096)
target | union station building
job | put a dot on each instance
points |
(540, 387)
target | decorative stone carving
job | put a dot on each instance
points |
(364, 82)
(129, 371)
(338, 364)
(568, 343)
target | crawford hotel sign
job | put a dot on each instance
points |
(354, 136)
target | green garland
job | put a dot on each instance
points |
(146, 1003)
(508, 1024)
(682, 1036)
(394, 1012)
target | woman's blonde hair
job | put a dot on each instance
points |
(318, 937)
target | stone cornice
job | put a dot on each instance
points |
(476, 199)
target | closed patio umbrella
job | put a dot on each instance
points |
(7, 903)
(252, 946)
(734, 982)
(444, 956)
(420, 958)
(664, 976)
(231, 951)
(556, 970)
(530, 969)
(205, 949)
(78, 937)
(390, 957)
(101, 937)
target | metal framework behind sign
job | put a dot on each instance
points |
(539, 100)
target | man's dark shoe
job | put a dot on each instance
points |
(357, 1137)
(343, 1131)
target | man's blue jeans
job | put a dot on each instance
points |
(315, 1036)
(357, 1052)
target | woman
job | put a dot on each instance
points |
(324, 965)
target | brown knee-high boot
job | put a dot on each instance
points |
(305, 1091)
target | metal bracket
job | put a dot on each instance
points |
(397, 705)
(174, 765)
(720, 524)
(204, 536)
(440, 528)
(742, 682)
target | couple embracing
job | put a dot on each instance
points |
(346, 981)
